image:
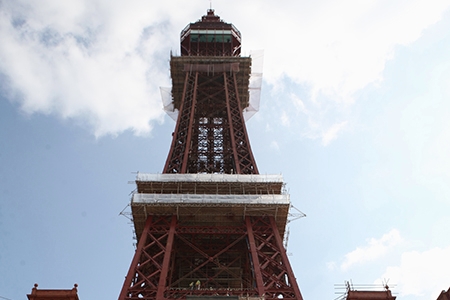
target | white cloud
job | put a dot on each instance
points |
(332, 132)
(425, 129)
(422, 274)
(331, 265)
(274, 145)
(285, 121)
(299, 104)
(101, 62)
(318, 123)
(332, 52)
(374, 249)
(413, 142)
(338, 47)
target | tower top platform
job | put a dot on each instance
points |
(210, 36)
(210, 21)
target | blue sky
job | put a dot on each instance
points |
(354, 113)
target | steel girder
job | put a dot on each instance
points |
(183, 129)
(239, 138)
(274, 271)
(210, 135)
(243, 260)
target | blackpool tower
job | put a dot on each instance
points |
(210, 226)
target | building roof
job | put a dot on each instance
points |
(370, 295)
(53, 294)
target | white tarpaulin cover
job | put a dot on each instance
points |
(209, 177)
(216, 199)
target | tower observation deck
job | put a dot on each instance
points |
(210, 225)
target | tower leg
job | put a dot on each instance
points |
(134, 263)
(254, 255)
(147, 267)
(276, 272)
(285, 261)
(166, 261)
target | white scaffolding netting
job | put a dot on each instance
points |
(254, 86)
(209, 177)
(169, 108)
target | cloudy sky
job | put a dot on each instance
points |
(354, 113)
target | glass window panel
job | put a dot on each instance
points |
(211, 38)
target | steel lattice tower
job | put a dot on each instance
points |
(210, 225)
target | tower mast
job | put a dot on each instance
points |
(210, 225)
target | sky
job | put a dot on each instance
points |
(354, 113)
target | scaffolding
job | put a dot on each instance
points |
(210, 199)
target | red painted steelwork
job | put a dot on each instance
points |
(144, 272)
(276, 272)
(239, 138)
(445, 295)
(210, 136)
(243, 260)
(165, 266)
(254, 255)
(231, 249)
